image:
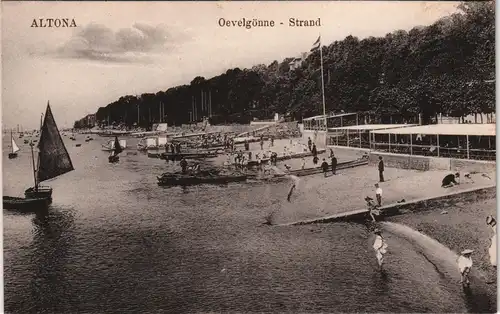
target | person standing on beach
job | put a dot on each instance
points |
(381, 169)
(261, 143)
(378, 194)
(303, 163)
(309, 144)
(334, 164)
(492, 223)
(464, 262)
(314, 150)
(380, 247)
(324, 166)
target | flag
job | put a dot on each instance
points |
(316, 45)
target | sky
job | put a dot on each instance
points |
(130, 48)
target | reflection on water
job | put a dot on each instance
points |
(116, 242)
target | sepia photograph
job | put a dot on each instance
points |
(249, 157)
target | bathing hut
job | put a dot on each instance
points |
(457, 141)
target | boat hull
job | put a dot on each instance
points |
(185, 180)
(25, 204)
(170, 156)
(12, 155)
(43, 192)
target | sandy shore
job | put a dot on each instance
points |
(346, 191)
(462, 227)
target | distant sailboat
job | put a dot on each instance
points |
(53, 158)
(15, 148)
(111, 145)
(113, 157)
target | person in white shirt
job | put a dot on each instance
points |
(380, 247)
(378, 194)
(464, 262)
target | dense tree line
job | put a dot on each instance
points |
(447, 68)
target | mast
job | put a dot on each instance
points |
(322, 80)
(34, 169)
(11, 140)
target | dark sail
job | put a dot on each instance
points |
(53, 158)
(118, 148)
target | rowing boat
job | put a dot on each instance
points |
(170, 179)
(25, 204)
(311, 171)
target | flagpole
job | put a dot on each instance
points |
(322, 79)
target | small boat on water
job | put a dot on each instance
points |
(25, 204)
(78, 145)
(179, 156)
(110, 146)
(26, 141)
(202, 177)
(316, 170)
(113, 157)
(153, 142)
(53, 158)
(14, 147)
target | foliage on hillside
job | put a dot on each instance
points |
(441, 68)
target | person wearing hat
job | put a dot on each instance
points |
(380, 247)
(490, 221)
(464, 265)
(372, 208)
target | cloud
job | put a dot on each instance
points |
(137, 44)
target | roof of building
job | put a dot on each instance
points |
(365, 127)
(445, 129)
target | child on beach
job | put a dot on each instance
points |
(492, 223)
(450, 180)
(380, 247)
(372, 208)
(465, 265)
(324, 166)
(378, 194)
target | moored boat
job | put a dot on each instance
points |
(171, 179)
(53, 158)
(14, 147)
(179, 156)
(113, 157)
(25, 204)
(110, 146)
(153, 142)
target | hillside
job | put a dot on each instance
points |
(444, 68)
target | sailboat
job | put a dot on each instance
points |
(113, 157)
(53, 158)
(15, 148)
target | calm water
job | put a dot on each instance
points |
(115, 242)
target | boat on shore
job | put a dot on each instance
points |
(151, 143)
(314, 170)
(25, 204)
(202, 177)
(254, 163)
(179, 156)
